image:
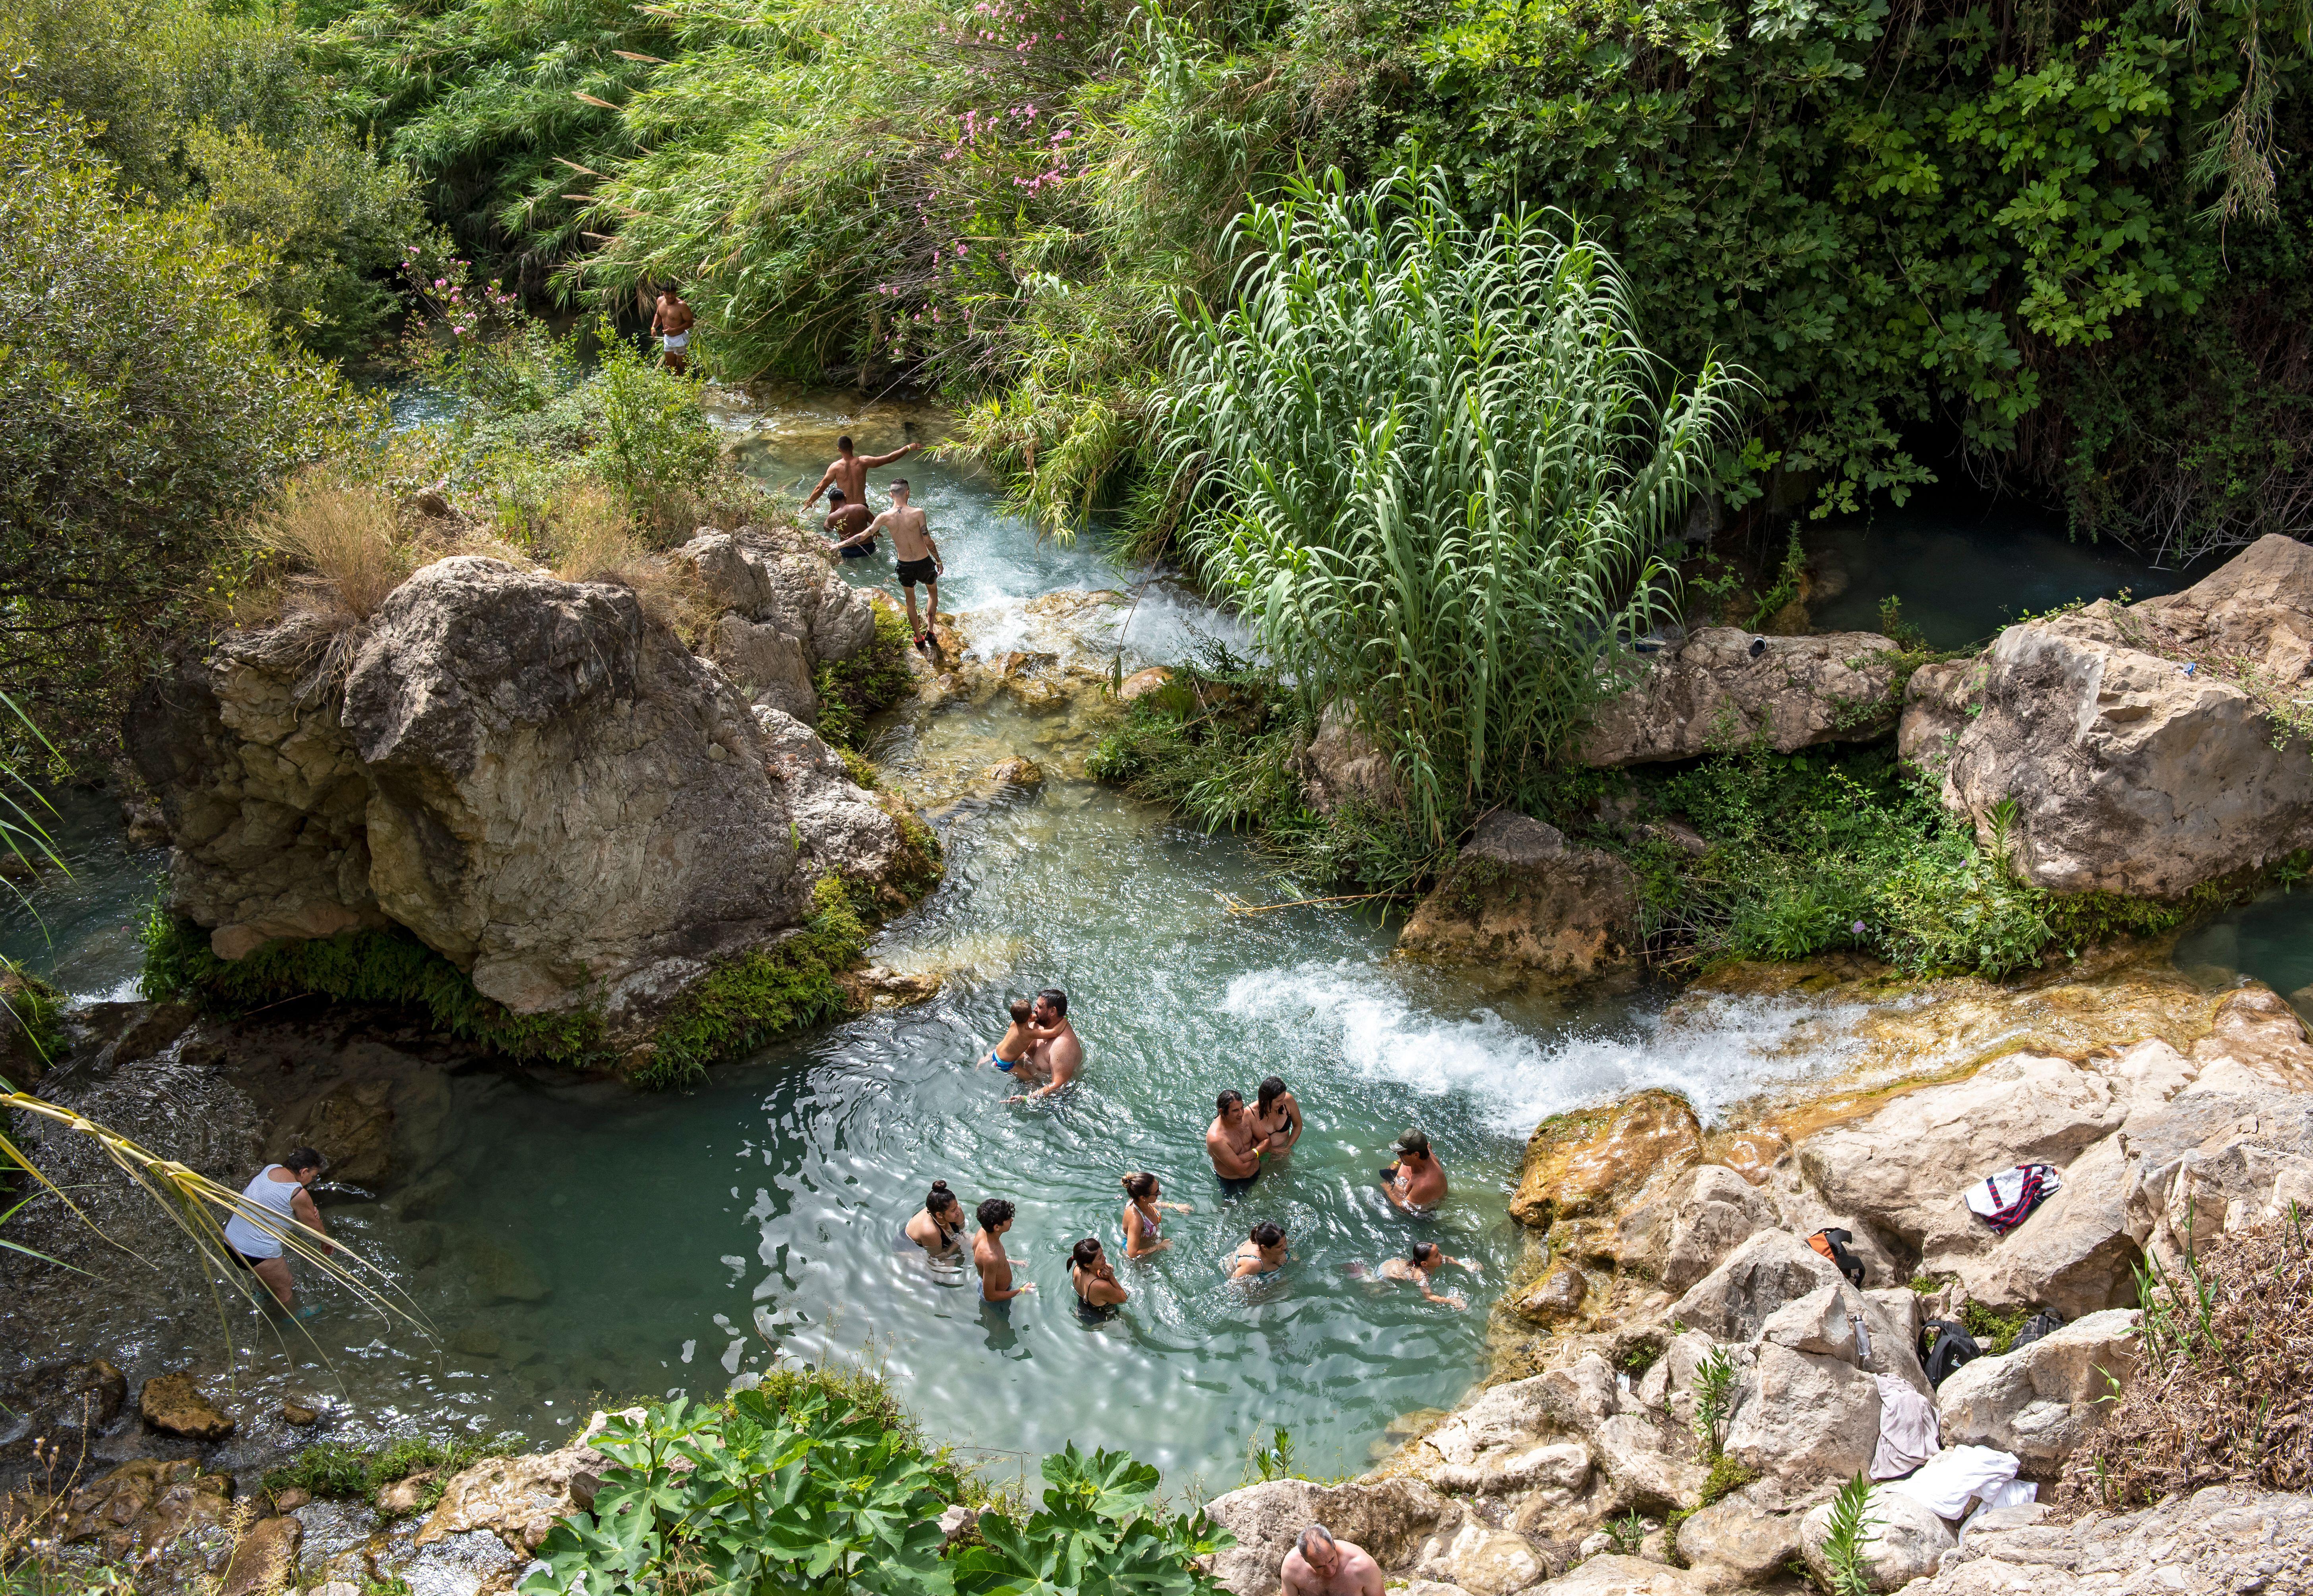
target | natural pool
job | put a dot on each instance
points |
(576, 1241)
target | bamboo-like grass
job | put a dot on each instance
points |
(1435, 468)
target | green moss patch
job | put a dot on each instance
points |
(875, 679)
(383, 966)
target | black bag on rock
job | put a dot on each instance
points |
(1944, 1347)
(2036, 1327)
(1833, 1245)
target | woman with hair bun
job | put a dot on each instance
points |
(1263, 1252)
(937, 1226)
(1143, 1214)
(1277, 1116)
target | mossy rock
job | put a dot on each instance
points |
(1586, 1164)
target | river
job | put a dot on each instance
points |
(575, 1243)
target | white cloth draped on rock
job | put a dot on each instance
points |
(1951, 1479)
(1907, 1429)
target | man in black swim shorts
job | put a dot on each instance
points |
(919, 559)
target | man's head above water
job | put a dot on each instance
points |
(1052, 1004)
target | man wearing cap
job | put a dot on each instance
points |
(1416, 1183)
(1320, 1566)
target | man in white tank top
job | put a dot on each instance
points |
(269, 1203)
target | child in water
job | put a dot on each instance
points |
(1021, 1037)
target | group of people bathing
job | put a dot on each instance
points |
(1040, 1041)
(855, 526)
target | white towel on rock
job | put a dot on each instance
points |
(1949, 1481)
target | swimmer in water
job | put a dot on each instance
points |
(938, 1222)
(1416, 1183)
(1263, 1252)
(1233, 1145)
(1419, 1263)
(1023, 1034)
(1143, 1215)
(988, 1255)
(1277, 1114)
(1098, 1290)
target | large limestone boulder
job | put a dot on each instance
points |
(1590, 1162)
(2248, 1174)
(1735, 1542)
(1905, 1540)
(2042, 1400)
(1721, 690)
(2257, 1030)
(266, 801)
(1805, 1417)
(1689, 1229)
(1903, 1171)
(1519, 897)
(564, 801)
(1737, 1300)
(2135, 763)
(533, 776)
(1390, 1519)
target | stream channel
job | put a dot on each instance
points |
(573, 1242)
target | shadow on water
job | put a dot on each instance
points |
(83, 932)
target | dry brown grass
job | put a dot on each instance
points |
(593, 540)
(2224, 1394)
(341, 541)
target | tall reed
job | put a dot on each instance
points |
(1435, 467)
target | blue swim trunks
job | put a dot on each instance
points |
(1006, 1065)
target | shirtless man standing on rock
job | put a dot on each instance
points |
(849, 471)
(1320, 1566)
(920, 560)
(1059, 1056)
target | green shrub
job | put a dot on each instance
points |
(1852, 1523)
(805, 1490)
(656, 445)
(1725, 1477)
(387, 966)
(1994, 1331)
(330, 1468)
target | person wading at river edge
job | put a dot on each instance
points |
(849, 471)
(1320, 1566)
(277, 1197)
(672, 322)
(918, 555)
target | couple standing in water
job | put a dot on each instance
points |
(1239, 1137)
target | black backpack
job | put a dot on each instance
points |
(2036, 1327)
(1944, 1347)
(1833, 1245)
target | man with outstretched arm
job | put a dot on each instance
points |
(918, 555)
(849, 471)
(1320, 1566)
(672, 323)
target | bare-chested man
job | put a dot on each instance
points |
(1416, 1183)
(853, 525)
(849, 471)
(1320, 1566)
(1234, 1142)
(918, 555)
(989, 1257)
(1059, 1056)
(672, 323)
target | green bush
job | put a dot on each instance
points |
(871, 681)
(132, 426)
(788, 1492)
(656, 445)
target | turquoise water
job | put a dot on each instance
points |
(1964, 571)
(81, 931)
(2271, 939)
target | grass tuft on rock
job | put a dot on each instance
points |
(872, 679)
(335, 1470)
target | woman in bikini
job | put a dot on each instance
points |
(1143, 1215)
(1263, 1252)
(1098, 1290)
(938, 1224)
(1277, 1116)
